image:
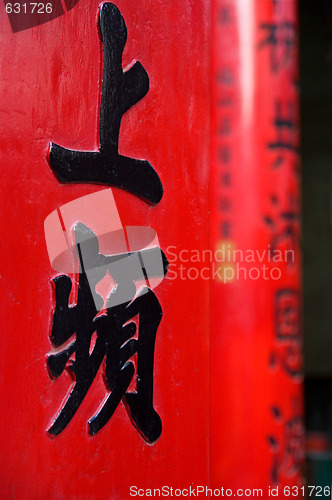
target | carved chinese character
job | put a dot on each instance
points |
(120, 91)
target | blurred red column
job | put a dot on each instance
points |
(256, 422)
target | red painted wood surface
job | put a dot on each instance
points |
(213, 384)
(256, 411)
(50, 89)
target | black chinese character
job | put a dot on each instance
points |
(114, 332)
(284, 224)
(288, 449)
(286, 128)
(225, 15)
(287, 352)
(281, 37)
(120, 91)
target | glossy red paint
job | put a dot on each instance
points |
(256, 411)
(214, 387)
(50, 87)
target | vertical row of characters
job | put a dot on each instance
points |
(279, 40)
(255, 340)
(116, 314)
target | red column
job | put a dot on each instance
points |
(245, 432)
(256, 412)
(50, 88)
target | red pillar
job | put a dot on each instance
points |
(227, 385)
(50, 88)
(256, 412)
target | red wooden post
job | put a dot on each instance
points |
(256, 413)
(51, 93)
(227, 368)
